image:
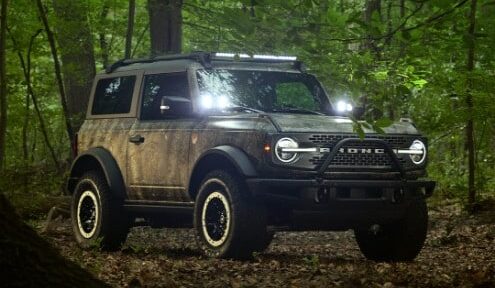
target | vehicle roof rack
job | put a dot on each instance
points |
(201, 57)
(205, 59)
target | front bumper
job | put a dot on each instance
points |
(338, 204)
(317, 202)
(261, 186)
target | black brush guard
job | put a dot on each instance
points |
(346, 204)
(264, 186)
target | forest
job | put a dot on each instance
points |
(431, 61)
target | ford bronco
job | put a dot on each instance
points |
(241, 146)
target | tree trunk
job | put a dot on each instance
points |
(26, 69)
(3, 81)
(130, 29)
(27, 76)
(165, 26)
(402, 11)
(27, 260)
(470, 105)
(58, 73)
(78, 61)
(372, 6)
(101, 35)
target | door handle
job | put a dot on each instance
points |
(136, 139)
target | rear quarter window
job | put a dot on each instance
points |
(113, 95)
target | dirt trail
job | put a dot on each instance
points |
(460, 251)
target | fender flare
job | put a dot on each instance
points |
(98, 159)
(236, 156)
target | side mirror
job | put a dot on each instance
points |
(175, 106)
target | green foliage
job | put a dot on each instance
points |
(411, 65)
(313, 262)
(33, 191)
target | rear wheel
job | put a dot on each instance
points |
(97, 217)
(401, 241)
(228, 222)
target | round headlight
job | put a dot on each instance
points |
(285, 157)
(420, 152)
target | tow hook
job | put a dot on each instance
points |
(398, 195)
(322, 195)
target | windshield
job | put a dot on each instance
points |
(268, 91)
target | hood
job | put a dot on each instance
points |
(331, 124)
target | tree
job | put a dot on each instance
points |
(74, 38)
(471, 41)
(3, 81)
(130, 29)
(58, 73)
(28, 260)
(165, 26)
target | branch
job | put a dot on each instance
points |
(27, 75)
(401, 26)
(437, 17)
(58, 72)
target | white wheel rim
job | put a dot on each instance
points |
(87, 225)
(215, 219)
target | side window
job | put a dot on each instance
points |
(295, 94)
(158, 85)
(113, 95)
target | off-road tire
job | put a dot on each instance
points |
(111, 223)
(241, 225)
(267, 237)
(398, 242)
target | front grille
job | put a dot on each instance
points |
(361, 160)
(325, 140)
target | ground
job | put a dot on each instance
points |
(459, 251)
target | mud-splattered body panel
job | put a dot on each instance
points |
(159, 167)
(109, 134)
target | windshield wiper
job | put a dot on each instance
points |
(295, 110)
(238, 108)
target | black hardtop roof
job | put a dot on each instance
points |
(203, 58)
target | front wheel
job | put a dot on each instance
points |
(228, 222)
(97, 218)
(401, 241)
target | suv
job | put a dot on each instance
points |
(239, 147)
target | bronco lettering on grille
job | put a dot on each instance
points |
(352, 150)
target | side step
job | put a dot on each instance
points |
(146, 207)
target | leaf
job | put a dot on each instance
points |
(381, 75)
(358, 129)
(383, 122)
(419, 83)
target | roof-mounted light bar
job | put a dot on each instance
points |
(231, 55)
(262, 57)
(205, 59)
(273, 57)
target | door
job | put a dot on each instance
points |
(158, 147)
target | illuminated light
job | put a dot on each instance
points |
(343, 106)
(206, 101)
(261, 57)
(273, 57)
(267, 148)
(286, 157)
(231, 55)
(223, 102)
(419, 157)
